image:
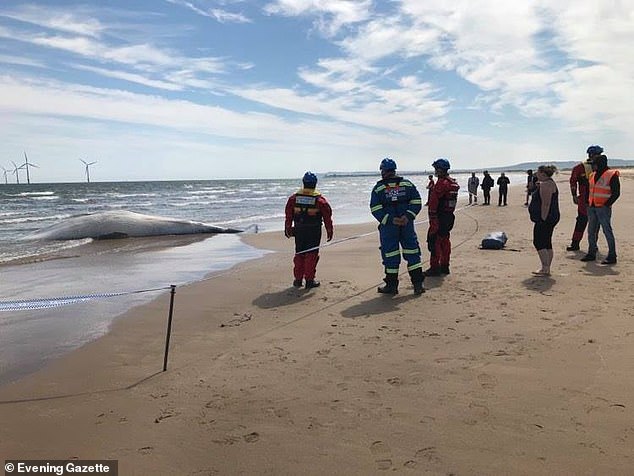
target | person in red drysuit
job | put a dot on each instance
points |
(441, 206)
(305, 212)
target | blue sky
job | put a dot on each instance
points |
(204, 89)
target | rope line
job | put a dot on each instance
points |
(53, 302)
(354, 237)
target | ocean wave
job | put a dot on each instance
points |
(34, 219)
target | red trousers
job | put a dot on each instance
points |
(441, 252)
(305, 265)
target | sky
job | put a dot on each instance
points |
(207, 89)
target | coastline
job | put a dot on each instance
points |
(490, 369)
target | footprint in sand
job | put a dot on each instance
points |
(251, 437)
(428, 454)
(146, 450)
(487, 381)
(382, 455)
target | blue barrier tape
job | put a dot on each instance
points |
(49, 303)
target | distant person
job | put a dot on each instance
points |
(579, 187)
(544, 213)
(305, 211)
(430, 186)
(531, 184)
(394, 203)
(503, 189)
(442, 204)
(472, 188)
(605, 189)
(487, 185)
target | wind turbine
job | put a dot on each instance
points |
(87, 171)
(6, 180)
(26, 165)
(16, 171)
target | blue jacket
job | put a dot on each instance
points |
(394, 197)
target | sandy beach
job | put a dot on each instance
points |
(491, 371)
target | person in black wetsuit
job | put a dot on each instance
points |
(487, 185)
(544, 212)
(503, 189)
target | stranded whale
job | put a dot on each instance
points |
(122, 224)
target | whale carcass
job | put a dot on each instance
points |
(122, 224)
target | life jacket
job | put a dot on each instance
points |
(306, 211)
(394, 193)
(587, 166)
(447, 203)
(600, 190)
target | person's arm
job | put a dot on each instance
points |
(432, 208)
(574, 177)
(376, 205)
(415, 203)
(326, 213)
(288, 213)
(615, 189)
(546, 194)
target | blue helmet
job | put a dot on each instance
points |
(594, 150)
(310, 180)
(387, 164)
(442, 164)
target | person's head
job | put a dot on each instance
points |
(387, 168)
(503, 174)
(546, 171)
(529, 171)
(309, 180)
(441, 167)
(473, 174)
(430, 177)
(594, 151)
(600, 162)
(486, 172)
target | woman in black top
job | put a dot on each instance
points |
(544, 212)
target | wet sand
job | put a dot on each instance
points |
(491, 371)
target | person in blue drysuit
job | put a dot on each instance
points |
(394, 203)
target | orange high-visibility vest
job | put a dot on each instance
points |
(600, 190)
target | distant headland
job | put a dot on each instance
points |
(561, 165)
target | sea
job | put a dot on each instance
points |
(135, 270)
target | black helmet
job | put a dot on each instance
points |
(442, 164)
(310, 180)
(594, 150)
(387, 164)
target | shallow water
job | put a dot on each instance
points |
(30, 338)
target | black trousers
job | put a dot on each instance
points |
(502, 196)
(487, 195)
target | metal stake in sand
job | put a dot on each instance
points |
(169, 325)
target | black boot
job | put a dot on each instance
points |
(444, 269)
(391, 284)
(312, 283)
(432, 272)
(297, 283)
(417, 278)
(589, 257)
(574, 246)
(609, 259)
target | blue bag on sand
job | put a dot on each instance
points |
(494, 241)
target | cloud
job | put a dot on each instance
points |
(131, 77)
(224, 16)
(220, 15)
(54, 19)
(332, 14)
